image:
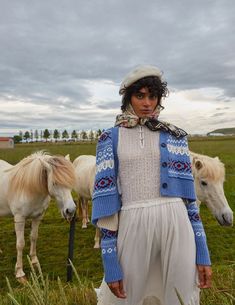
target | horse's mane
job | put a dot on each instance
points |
(213, 168)
(30, 175)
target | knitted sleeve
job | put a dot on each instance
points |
(106, 204)
(202, 252)
(105, 199)
(112, 268)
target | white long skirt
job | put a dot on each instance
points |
(156, 249)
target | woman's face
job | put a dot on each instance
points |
(143, 103)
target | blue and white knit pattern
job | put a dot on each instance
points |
(106, 199)
(202, 253)
(112, 268)
(105, 174)
(179, 165)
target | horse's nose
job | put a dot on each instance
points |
(228, 219)
(70, 212)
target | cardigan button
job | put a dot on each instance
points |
(164, 164)
(164, 185)
(163, 145)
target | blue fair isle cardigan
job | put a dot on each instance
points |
(175, 175)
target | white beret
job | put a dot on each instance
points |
(138, 73)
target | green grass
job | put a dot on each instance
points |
(52, 249)
(39, 290)
(53, 231)
(21, 150)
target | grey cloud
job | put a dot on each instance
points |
(110, 105)
(48, 48)
(222, 122)
(222, 108)
(218, 114)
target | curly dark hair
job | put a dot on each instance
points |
(155, 85)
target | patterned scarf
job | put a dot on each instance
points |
(129, 119)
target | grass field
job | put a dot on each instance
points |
(53, 232)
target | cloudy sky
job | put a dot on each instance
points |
(61, 62)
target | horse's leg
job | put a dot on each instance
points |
(97, 238)
(20, 242)
(33, 240)
(87, 212)
(83, 205)
(79, 209)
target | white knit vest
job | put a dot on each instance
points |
(139, 164)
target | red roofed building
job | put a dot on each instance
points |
(6, 142)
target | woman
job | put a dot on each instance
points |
(153, 242)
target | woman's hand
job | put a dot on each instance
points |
(117, 289)
(204, 276)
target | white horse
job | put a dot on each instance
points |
(209, 176)
(85, 174)
(25, 191)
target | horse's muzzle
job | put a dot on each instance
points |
(225, 219)
(69, 213)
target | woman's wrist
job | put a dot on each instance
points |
(202, 252)
(112, 268)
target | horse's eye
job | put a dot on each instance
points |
(204, 183)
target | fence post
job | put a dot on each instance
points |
(71, 248)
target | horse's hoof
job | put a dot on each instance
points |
(22, 280)
(84, 226)
(36, 265)
(96, 246)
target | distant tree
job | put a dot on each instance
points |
(79, 135)
(17, 139)
(41, 135)
(36, 135)
(46, 134)
(65, 134)
(96, 135)
(91, 135)
(99, 133)
(74, 134)
(26, 136)
(83, 135)
(31, 135)
(56, 134)
(51, 133)
(21, 135)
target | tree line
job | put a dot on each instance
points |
(56, 135)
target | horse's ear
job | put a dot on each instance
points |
(217, 158)
(67, 157)
(198, 164)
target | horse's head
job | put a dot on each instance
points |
(60, 181)
(40, 175)
(209, 174)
